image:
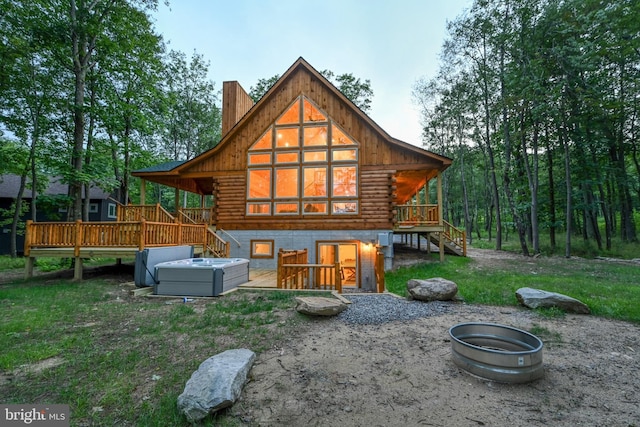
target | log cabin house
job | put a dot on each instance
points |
(305, 168)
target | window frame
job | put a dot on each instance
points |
(269, 242)
(323, 205)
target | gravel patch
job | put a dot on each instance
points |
(381, 308)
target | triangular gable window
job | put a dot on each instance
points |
(311, 113)
(291, 116)
(265, 141)
(304, 164)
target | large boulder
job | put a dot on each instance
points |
(434, 289)
(536, 298)
(216, 384)
(319, 306)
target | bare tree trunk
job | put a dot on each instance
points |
(534, 183)
(567, 176)
(552, 191)
(468, 224)
(84, 32)
(506, 178)
(17, 210)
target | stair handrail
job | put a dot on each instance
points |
(220, 247)
(230, 236)
(456, 236)
(186, 216)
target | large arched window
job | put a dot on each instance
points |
(303, 164)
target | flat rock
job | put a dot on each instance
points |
(216, 384)
(434, 289)
(319, 306)
(536, 298)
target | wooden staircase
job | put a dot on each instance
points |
(455, 240)
(450, 247)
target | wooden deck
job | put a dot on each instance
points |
(80, 240)
(261, 279)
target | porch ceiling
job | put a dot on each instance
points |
(410, 182)
(198, 186)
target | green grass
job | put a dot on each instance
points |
(123, 360)
(610, 289)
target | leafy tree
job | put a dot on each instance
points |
(261, 87)
(359, 92)
(552, 86)
(31, 98)
(85, 25)
(192, 117)
(127, 83)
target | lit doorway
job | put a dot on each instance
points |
(346, 253)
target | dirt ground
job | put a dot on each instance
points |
(402, 374)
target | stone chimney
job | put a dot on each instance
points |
(235, 104)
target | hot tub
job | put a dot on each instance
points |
(200, 276)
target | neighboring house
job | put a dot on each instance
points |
(305, 168)
(101, 208)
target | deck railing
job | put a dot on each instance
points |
(154, 213)
(294, 272)
(417, 215)
(134, 234)
(197, 215)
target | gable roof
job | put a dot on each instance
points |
(298, 64)
(413, 166)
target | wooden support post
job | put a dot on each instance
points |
(77, 268)
(338, 278)
(279, 275)
(440, 216)
(379, 267)
(176, 205)
(28, 267)
(143, 232)
(440, 208)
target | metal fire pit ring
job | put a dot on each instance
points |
(497, 352)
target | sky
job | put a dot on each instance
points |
(392, 43)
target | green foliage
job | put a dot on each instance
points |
(53, 264)
(359, 92)
(356, 90)
(8, 263)
(192, 118)
(535, 102)
(261, 87)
